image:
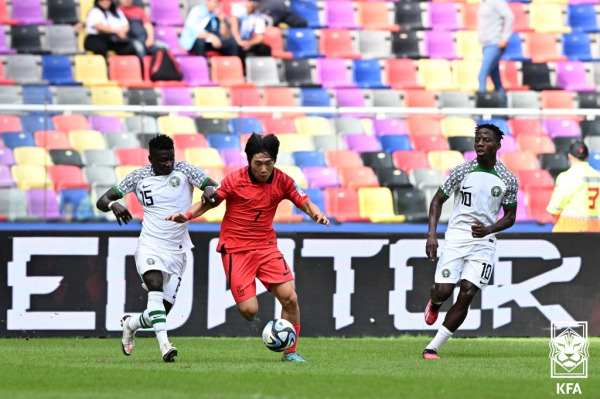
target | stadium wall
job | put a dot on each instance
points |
(80, 283)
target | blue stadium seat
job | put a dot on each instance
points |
(302, 42)
(582, 18)
(367, 74)
(75, 203)
(35, 122)
(315, 97)
(56, 69)
(309, 10)
(245, 125)
(577, 47)
(302, 159)
(394, 142)
(501, 123)
(33, 94)
(18, 139)
(221, 141)
(514, 49)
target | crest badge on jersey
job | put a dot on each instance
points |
(300, 191)
(496, 191)
(174, 181)
(150, 261)
(446, 273)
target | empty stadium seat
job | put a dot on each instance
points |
(376, 203)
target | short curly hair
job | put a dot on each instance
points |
(161, 142)
(495, 129)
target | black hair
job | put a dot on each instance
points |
(258, 143)
(490, 126)
(161, 142)
(112, 9)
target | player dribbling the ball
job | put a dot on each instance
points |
(247, 241)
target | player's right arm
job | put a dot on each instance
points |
(435, 211)
(108, 202)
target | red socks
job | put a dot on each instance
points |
(293, 348)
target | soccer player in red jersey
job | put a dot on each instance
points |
(247, 241)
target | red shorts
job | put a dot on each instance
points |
(241, 269)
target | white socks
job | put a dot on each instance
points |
(141, 321)
(440, 339)
(158, 316)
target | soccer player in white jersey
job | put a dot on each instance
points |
(481, 187)
(164, 187)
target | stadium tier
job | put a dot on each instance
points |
(358, 166)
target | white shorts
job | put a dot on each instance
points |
(472, 262)
(172, 266)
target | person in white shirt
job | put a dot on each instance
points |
(164, 187)
(481, 187)
(107, 28)
(248, 28)
(207, 29)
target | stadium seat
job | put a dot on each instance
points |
(337, 43)
(510, 76)
(212, 97)
(578, 47)
(298, 73)
(61, 40)
(26, 39)
(305, 159)
(424, 125)
(91, 70)
(426, 178)
(464, 75)
(67, 176)
(74, 204)
(572, 76)
(291, 142)
(376, 203)
(409, 159)
(177, 96)
(355, 177)
(200, 156)
(375, 16)
(582, 18)
(302, 42)
(392, 177)
(517, 161)
(6, 157)
(309, 10)
(195, 71)
(401, 74)
(340, 15)
(295, 173)
(490, 99)
(521, 21)
(212, 125)
(547, 18)
(410, 202)
(52, 139)
(10, 94)
(105, 123)
(109, 96)
(165, 13)
(524, 99)
(169, 35)
(13, 140)
(10, 123)
(554, 163)
(3, 79)
(525, 126)
(468, 46)
(439, 45)
(280, 97)
(367, 74)
(221, 141)
(6, 180)
(388, 99)
(328, 142)
(515, 49)
(23, 69)
(536, 76)
(389, 126)
(245, 125)
(536, 144)
(263, 71)
(13, 204)
(561, 127)
(247, 97)
(65, 157)
(529, 179)
(74, 95)
(82, 140)
(562, 99)
(29, 12)
(452, 126)
(183, 141)
(30, 176)
(362, 143)
(408, 15)
(227, 71)
(419, 99)
(127, 71)
(377, 159)
(122, 140)
(273, 38)
(132, 155)
(563, 143)
(406, 44)
(321, 176)
(543, 47)
(342, 159)
(436, 74)
(26, 155)
(315, 97)
(66, 123)
(444, 160)
(443, 16)
(536, 200)
(171, 124)
(313, 125)
(5, 19)
(62, 12)
(56, 69)
(342, 205)
(43, 204)
(395, 142)
(461, 143)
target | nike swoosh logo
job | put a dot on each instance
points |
(482, 282)
(245, 199)
(466, 188)
(147, 185)
(286, 273)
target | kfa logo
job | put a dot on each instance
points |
(569, 350)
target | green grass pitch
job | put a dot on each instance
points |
(243, 368)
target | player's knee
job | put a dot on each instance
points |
(442, 292)
(248, 311)
(289, 300)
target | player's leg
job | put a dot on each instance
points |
(240, 271)
(438, 294)
(286, 295)
(248, 308)
(157, 312)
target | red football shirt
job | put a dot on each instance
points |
(135, 12)
(251, 206)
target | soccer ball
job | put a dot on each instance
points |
(279, 335)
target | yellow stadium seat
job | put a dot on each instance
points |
(465, 74)
(203, 156)
(176, 124)
(32, 156)
(82, 140)
(376, 203)
(547, 18)
(123, 170)
(457, 126)
(109, 96)
(467, 45)
(292, 142)
(212, 97)
(84, 9)
(435, 74)
(295, 173)
(31, 176)
(313, 126)
(91, 70)
(444, 160)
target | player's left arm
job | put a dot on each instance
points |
(314, 213)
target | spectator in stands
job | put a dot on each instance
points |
(575, 202)
(141, 30)
(494, 26)
(276, 12)
(107, 29)
(248, 29)
(207, 29)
